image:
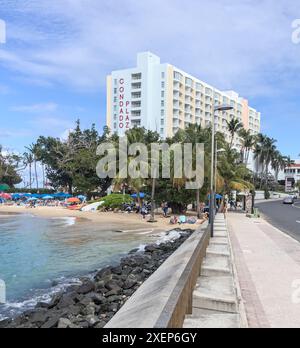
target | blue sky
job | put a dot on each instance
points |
(58, 52)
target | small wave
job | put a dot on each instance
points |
(69, 221)
(12, 309)
(163, 237)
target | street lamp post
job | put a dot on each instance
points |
(216, 168)
(212, 192)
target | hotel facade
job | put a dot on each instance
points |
(163, 98)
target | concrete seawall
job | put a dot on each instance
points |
(166, 297)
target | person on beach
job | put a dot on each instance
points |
(165, 209)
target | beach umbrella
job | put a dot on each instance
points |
(135, 195)
(32, 199)
(5, 196)
(4, 187)
(81, 197)
(73, 200)
(16, 196)
(48, 197)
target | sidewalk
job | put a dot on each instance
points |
(268, 266)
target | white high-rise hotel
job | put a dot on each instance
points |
(162, 98)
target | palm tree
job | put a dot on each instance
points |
(247, 141)
(28, 161)
(35, 151)
(278, 163)
(233, 127)
(264, 152)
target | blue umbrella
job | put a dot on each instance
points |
(81, 197)
(48, 197)
(135, 195)
(32, 199)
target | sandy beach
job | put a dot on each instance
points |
(122, 222)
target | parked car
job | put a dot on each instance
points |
(289, 200)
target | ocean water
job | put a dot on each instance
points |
(40, 256)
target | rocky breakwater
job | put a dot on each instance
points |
(93, 303)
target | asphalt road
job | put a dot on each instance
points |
(284, 217)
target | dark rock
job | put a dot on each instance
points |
(86, 287)
(39, 317)
(100, 325)
(152, 247)
(42, 305)
(112, 285)
(114, 298)
(100, 285)
(113, 292)
(64, 323)
(103, 273)
(4, 323)
(117, 270)
(97, 298)
(51, 323)
(137, 270)
(66, 301)
(54, 301)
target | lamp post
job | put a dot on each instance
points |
(212, 192)
(216, 167)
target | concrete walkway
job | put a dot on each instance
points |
(268, 267)
(215, 298)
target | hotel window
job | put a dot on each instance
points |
(136, 95)
(199, 87)
(115, 108)
(162, 103)
(115, 90)
(115, 82)
(136, 85)
(178, 76)
(162, 94)
(161, 131)
(162, 122)
(115, 125)
(115, 99)
(189, 82)
(162, 112)
(208, 91)
(162, 75)
(162, 85)
(136, 76)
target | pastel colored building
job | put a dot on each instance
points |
(163, 98)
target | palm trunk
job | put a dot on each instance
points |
(36, 175)
(30, 176)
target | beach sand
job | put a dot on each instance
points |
(122, 222)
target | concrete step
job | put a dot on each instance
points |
(216, 265)
(215, 293)
(220, 233)
(219, 241)
(207, 319)
(218, 249)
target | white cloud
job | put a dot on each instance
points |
(234, 45)
(36, 108)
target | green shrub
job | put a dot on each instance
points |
(115, 201)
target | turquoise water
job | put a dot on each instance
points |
(35, 251)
